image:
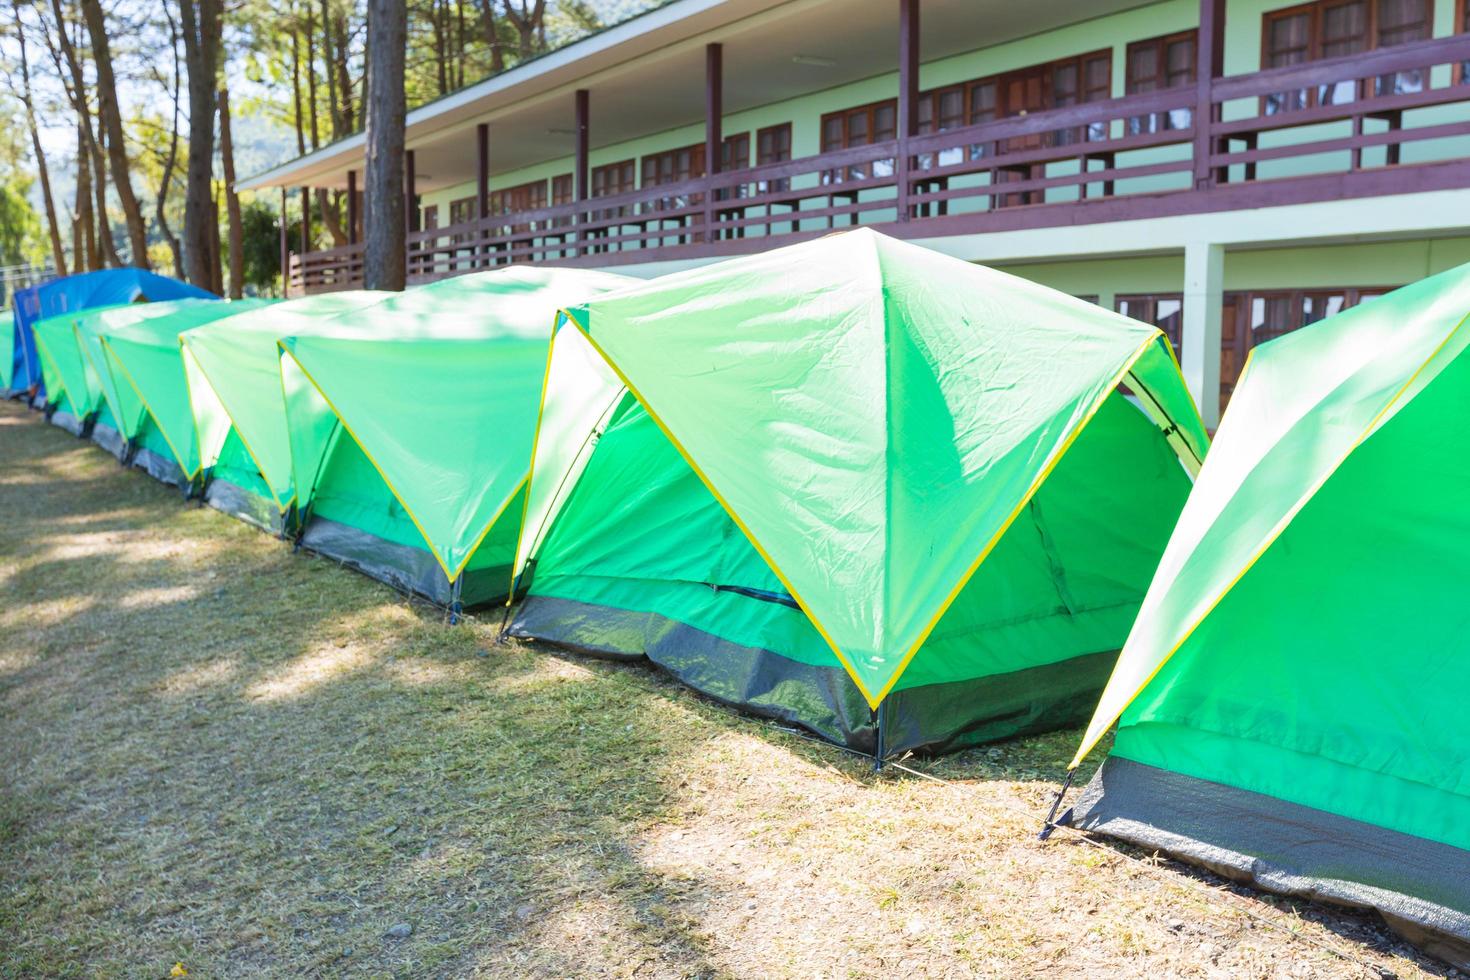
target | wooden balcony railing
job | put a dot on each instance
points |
(1387, 121)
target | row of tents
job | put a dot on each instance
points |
(902, 501)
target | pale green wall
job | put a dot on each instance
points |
(1375, 264)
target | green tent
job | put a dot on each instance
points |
(67, 405)
(82, 396)
(7, 353)
(1290, 703)
(153, 411)
(234, 373)
(893, 497)
(410, 435)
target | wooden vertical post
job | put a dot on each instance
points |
(583, 176)
(352, 207)
(482, 189)
(410, 192)
(410, 208)
(305, 220)
(714, 137)
(1209, 63)
(285, 250)
(908, 96)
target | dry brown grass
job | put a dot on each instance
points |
(254, 763)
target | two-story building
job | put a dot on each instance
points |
(1227, 169)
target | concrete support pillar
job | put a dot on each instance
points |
(1204, 297)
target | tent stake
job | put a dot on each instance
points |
(1056, 804)
(878, 739)
(455, 605)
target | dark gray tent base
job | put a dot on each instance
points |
(1420, 887)
(935, 718)
(408, 569)
(67, 421)
(159, 467)
(110, 439)
(235, 500)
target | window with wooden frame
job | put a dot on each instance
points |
(1156, 65)
(1336, 29)
(462, 211)
(734, 155)
(773, 145)
(672, 167)
(864, 125)
(610, 179)
(1255, 316)
(1462, 26)
(563, 191)
(522, 197)
(1163, 310)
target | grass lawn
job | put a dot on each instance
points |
(217, 753)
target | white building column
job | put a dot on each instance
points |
(1204, 295)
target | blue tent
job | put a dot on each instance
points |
(22, 370)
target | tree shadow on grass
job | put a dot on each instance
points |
(257, 763)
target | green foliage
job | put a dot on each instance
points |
(21, 235)
(261, 244)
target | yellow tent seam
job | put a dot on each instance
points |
(1279, 529)
(149, 408)
(1055, 459)
(183, 345)
(515, 563)
(433, 549)
(842, 658)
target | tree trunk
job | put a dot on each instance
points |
(232, 200)
(441, 45)
(459, 43)
(84, 235)
(296, 90)
(201, 29)
(165, 183)
(58, 252)
(384, 262)
(99, 192)
(492, 37)
(530, 25)
(216, 270)
(311, 111)
(344, 79)
(110, 120)
(77, 94)
(334, 108)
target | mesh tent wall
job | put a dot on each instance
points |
(234, 374)
(69, 294)
(884, 494)
(410, 433)
(1290, 701)
(147, 368)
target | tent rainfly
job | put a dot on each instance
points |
(148, 378)
(1290, 702)
(78, 381)
(21, 369)
(234, 371)
(410, 435)
(895, 498)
